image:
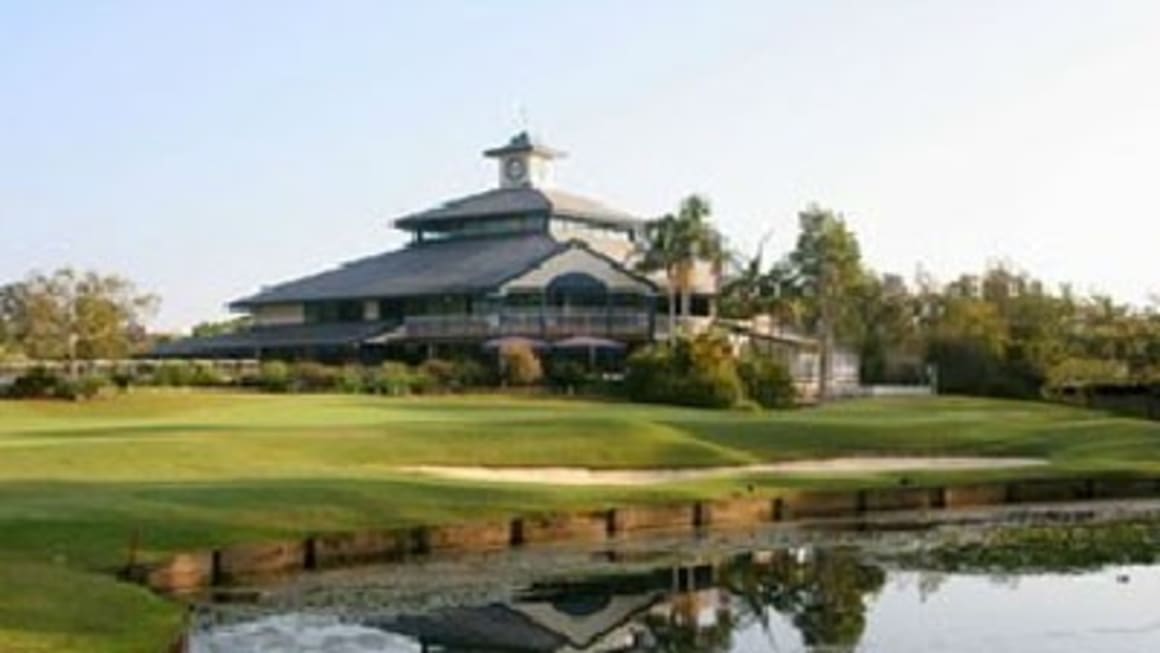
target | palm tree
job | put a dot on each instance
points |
(660, 253)
(675, 244)
(754, 289)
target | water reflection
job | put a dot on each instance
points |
(802, 598)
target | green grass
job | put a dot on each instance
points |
(185, 470)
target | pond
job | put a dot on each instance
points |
(1061, 579)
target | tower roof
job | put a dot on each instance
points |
(520, 201)
(525, 142)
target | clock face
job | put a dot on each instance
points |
(515, 169)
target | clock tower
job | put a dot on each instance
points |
(524, 162)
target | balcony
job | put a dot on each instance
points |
(549, 323)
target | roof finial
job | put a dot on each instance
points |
(522, 116)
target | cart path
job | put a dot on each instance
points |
(587, 476)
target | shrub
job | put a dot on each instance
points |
(174, 374)
(1082, 372)
(205, 375)
(86, 387)
(123, 380)
(520, 366)
(274, 376)
(567, 375)
(309, 376)
(351, 379)
(767, 382)
(747, 406)
(391, 378)
(42, 383)
(35, 383)
(697, 371)
(421, 382)
(470, 373)
(440, 374)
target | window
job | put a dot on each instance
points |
(391, 309)
(699, 305)
(573, 228)
(334, 311)
(438, 305)
(491, 226)
(523, 300)
(625, 300)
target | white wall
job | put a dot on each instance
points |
(577, 259)
(277, 314)
(370, 310)
(703, 278)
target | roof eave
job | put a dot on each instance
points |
(623, 220)
(257, 300)
(541, 150)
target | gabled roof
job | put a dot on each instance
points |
(493, 627)
(619, 266)
(461, 265)
(520, 201)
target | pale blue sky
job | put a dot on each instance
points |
(206, 148)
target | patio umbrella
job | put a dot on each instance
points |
(589, 344)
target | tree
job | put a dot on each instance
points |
(690, 371)
(520, 365)
(824, 594)
(72, 315)
(223, 327)
(890, 342)
(967, 342)
(825, 271)
(9, 344)
(675, 244)
(744, 293)
(754, 290)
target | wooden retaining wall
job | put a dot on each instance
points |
(738, 512)
(191, 572)
(349, 549)
(820, 505)
(970, 496)
(463, 538)
(636, 519)
(243, 562)
(578, 527)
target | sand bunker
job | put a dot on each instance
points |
(586, 476)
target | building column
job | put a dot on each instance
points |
(543, 313)
(608, 314)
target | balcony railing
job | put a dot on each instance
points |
(547, 323)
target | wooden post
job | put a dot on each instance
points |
(134, 546)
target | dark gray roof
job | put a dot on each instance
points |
(275, 337)
(524, 142)
(521, 201)
(461, 265)
(486, 628)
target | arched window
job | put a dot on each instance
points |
(575, 289)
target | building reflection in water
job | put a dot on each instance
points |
(701, 606)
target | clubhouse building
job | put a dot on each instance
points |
(520, 260)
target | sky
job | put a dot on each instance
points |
(205, 149)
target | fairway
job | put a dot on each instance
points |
(180, 470)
